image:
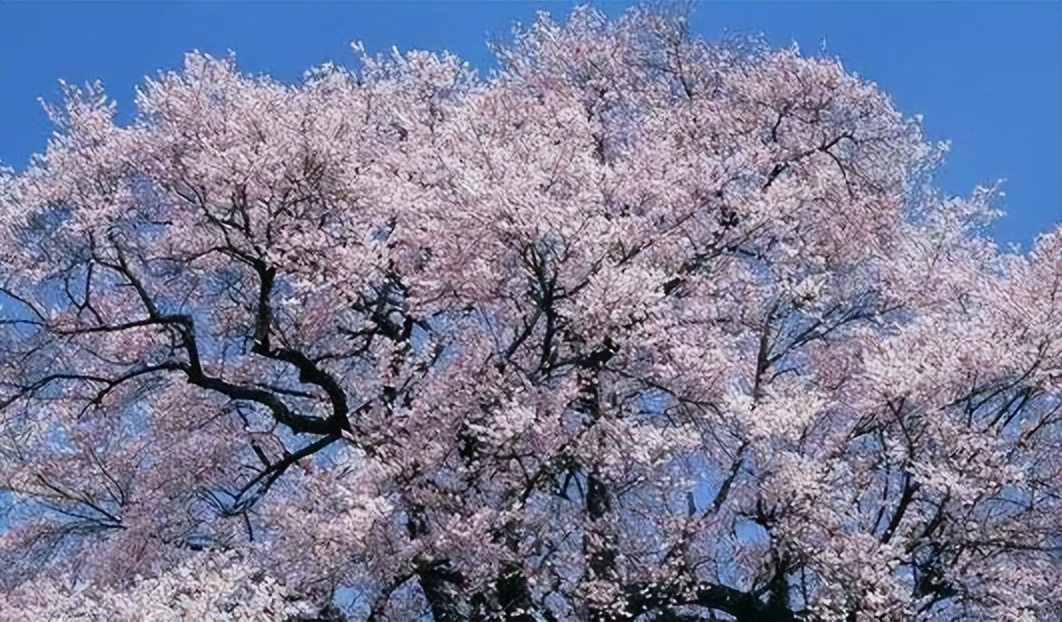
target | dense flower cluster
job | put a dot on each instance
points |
(638, 327)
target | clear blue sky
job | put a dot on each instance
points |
(985, 75)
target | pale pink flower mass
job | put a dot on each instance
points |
(636, 328)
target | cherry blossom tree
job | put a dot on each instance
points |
(636, 328)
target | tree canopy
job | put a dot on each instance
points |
(637, 327)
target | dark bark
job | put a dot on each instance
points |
(438, 581)
(743, 606)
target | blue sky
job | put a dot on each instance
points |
(983, 74)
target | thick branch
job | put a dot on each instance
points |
(308, 371)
